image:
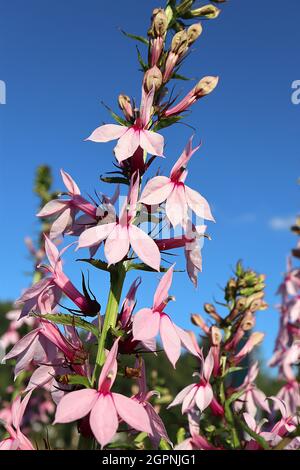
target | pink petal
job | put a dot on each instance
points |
(127, 144)
(75, 405)
(34, 290)
(163, 287)
(250, 421)
(22, 344)
(107, 133)
(60, 224)
(152, 142)
(94, 235)
(188, 340)
(204, 397)
(69, 183)
(104, 420)
(181, 395)
(132, 412)
(184, 157)
(110, 366)
(189, 401)
(52, 253)
(198, 204)
(261, 400)
(117, 244)
(145, 247)
(145, 324)
(40, 377)
(208, 365)
(170, 339)
(157, 190)
(176, 206)
(52, 207)
(146, 105)
(158, 430)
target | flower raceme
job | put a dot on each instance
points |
(123, 233)
(105, 407)
(135, 136)
(179, 197)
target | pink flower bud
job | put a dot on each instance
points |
(153, 77)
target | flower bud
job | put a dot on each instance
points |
(248, 322)
(198, 321)
(206, 86)
(160, 22)
(207, 11)
(194, 32)
(210, 309)
(184, 7)
(125, 104)
(179, 42)
(153, 77)
(216, 336)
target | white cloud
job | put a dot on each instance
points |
(281, 223)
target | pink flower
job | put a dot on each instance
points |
(158, 430)
(122, 234)
(252, 396)
(179, 197)
(148, 322)
(105, 407)
(17, 440)
(199, 394)
(290, 395)
(65, 210)
(135, 136)
(45, 294)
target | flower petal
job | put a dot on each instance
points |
(181, 395)
(145, 324)
(127, 144)
(176, 206)
(152, 142)
(107, 133)
(117, 244)
(145, 247)
(94, 235)
(132, 412)
(104, 420)
(52, 207)
(198, 204)
(75, 405)
(157, 190)
(163, 287)
(204, 396)
(170, 339)
(69, 183)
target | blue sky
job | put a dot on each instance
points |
(59, 59)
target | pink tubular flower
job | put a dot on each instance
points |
(290, 395)
(133, 137)
(148, 322)
(57, 282)
(254, 339)
(104, 406)
(40, 346)
(199, 394)
(158, 430)
(252, 396)
(121, 234)
(17, 440)
(65, 210)
(179, 197)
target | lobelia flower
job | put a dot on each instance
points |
(17, 440)
(105, 407)
(65, 210)
(135, 136)
(158, 430)
(179, 197)
(148, 322)
(40, 346)
(290, 395)
(199, 394)
(252, 396)
(122, 234)
(57, 282)
(254, 339)
(192, 243)
(195, 441)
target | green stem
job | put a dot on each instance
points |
(117, 277)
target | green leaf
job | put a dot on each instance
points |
(235, 396)
(141, 61)
(70, 320)
(119, 120)
(177, 76)
(145, 267)
(114, 180)
(77, 380)
(166, 122)
(180, 436)
(135, 37)
(97, 263)
(164, 445)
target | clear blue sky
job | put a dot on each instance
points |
(59, 59)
